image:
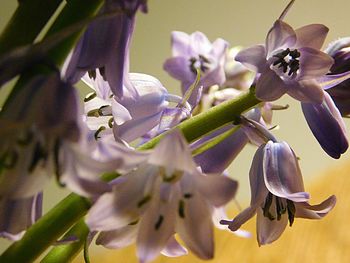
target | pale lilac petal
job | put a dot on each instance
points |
(179, 68)
(305, 210)
(306, 91)
(258, 190)
(219, 48)
(119, 238)
(122, 206)
(282, 174)
(269, 230)
(217, 189)
(327, 126)
(133, 129)
(195, 227)
(120, 113)
(156, 227)
(180, 43)
(312, 35)
(240, 219)
(313, 63)
(200, 43)
(178, 159)
(253, 58)
(174, 249)
(281, 35)
(270, 86)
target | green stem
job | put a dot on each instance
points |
(66, 252)
(26, 23)
(47, 230)
(192, 129)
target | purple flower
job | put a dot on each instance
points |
(277, 193)
(104, 46)
(289, 62)
(195, 52)
(337, 81)
(164, 195)
(327, 125)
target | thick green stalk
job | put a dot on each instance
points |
(68, 251)
(192, 129)
(26, 23)
(47, 230)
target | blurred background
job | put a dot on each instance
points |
(245, 23)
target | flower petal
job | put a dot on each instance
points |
(305, 210)
(312, 35)
(313, 63)
(253, 57)
(156, 227)
(180, 44)
(306, 91)
(174, 249)
(327, 126)
(119, 238)
(179, 68)
(269, 230)
(282, 174)
(240, 219)
(281, 35)
(270, 86)
(195, 227)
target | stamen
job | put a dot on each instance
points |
(56, 159)
(291, 212)
(93, 113)
(144, 200)
(97, 133)
(105, 110)
(39, 153)
(182, 208)
(159, 222)
(280, 209)
(188, 195)
(201, 63)
(90, 96)
(288, 64)
(267, 205)
(102, 72)
(133, 223)
(110, 122)
(92, 74)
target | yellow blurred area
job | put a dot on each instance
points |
(321, 241)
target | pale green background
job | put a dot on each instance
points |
(240, 23)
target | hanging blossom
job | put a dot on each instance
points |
(195, 52)
(104, 47)
(337, 82)
(164, 195)
(277, 190)
(289, 62)
(132, 116)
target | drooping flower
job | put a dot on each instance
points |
(327, 125)
(104, 46)
(164, 195)
(132, 116)
(337, 82)
(289, 62)
(277, 193)
(195, 52)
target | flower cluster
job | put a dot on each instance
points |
(165, 155)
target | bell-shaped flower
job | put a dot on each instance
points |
(132, 116)
(195, 52)
(327, 125)
(164, 195)
(104, 47)
(337, 82)
(289, 62)
(16, 215)
(277, 193)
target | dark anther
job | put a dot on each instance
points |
(93, 113)
(144, 200)
(110, 122)
(97, 133)
(159, 222)
(294, 53)
(187, 195)
(90, 96)
(56, 159)
(39, 153)
(290, 65)
(102, 72)
(182, 208)
(280, 209)
(267, 205)
(203, 64)
(101, 111)
(92, 74)
(291, 212)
